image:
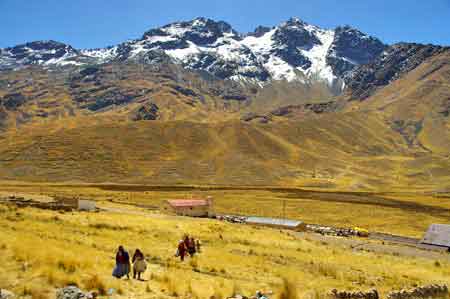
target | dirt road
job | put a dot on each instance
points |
(377, 246)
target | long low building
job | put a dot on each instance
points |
(438, 235)
(277, 223)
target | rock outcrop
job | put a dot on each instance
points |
(72, 292)
(149, 111)
(395, 61)
(5, 294)
(350, 47)
(13, 100)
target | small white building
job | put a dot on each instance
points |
(86, 205)
(77, 204)
(190, 207)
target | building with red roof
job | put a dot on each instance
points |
(190, 207)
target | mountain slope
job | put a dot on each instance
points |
(198, 103)
(396, 61)
(351, 151)
(417, 103)
(131, 91)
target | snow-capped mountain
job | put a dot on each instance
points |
(292, 51)
(41, 53)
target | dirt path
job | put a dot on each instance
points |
(382, 247)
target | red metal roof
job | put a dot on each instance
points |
(188, 202)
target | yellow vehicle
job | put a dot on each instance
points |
(361, 232)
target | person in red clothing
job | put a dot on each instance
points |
(191, 248)
(187, 242)
(181, 251)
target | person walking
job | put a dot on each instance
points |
(191, 247)
(122, 267)
(198, 246)
(187, 241)
(181, 251)
(139, 264)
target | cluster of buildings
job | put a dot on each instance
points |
(437, 235)
(205, 208)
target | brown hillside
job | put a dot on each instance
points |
(342, 151)
(417, 105)
(164, 125)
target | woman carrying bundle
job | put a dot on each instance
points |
(139, 264)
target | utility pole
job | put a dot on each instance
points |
(432, 181)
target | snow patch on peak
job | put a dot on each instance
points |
(260, 45)
(103, 55)
(162, 39)
(175, 30)
(199, 22)
(281, 70)
(293, 22)
(263, 47)
(319, 68)
(183, 55)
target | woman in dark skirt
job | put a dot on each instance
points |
(122, 267)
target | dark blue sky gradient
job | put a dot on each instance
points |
(98, 23)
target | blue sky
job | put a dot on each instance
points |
(98, 23)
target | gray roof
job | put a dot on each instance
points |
(437, 234)
(273, 221)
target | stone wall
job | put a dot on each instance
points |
(424, 292)
(372, 294)
(430, 291)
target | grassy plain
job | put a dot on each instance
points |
(41, 250)
(407, 214)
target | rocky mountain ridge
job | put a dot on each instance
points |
(291, 51)
(395, 61)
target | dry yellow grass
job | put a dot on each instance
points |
(42, 250)
(407, 214)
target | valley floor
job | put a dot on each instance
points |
(408, 214)
(42, 250)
